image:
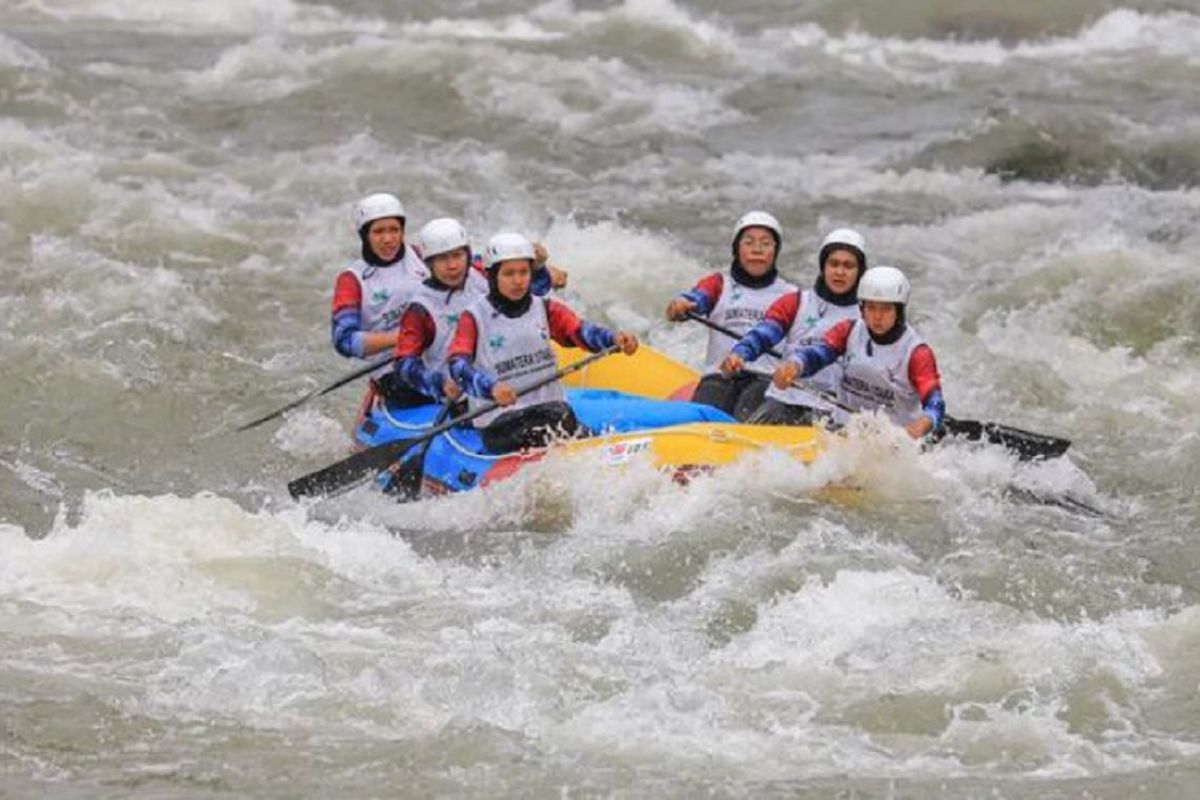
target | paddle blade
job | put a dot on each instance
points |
(407, 478)
(1028, 445)
(349, 471)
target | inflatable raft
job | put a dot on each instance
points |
(635, 406)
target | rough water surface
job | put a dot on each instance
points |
(175, 182)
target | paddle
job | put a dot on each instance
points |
(1026, 444)
(406, 481)
(358, 373)
(348, 471)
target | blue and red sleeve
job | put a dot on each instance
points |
(461, 359)
(817, 357)
(923, 375)
(541, 283)
(346, 317)
(770, 332)
(570, 331)
(706, 293)
(416, 334)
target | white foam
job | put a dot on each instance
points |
(37, 479)
(819, 657)
(16, 55)
(310, 433)
(1118, 36)
(226, 16)
(589, 97)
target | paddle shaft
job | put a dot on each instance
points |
(358, 373)
(408, 474)
(1027, 444)
(828, 397)
(348, 471)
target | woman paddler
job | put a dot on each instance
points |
(502, 343)
(886, 365)
(456, 282)
(802, 318)
(370, 295)
(737, 299)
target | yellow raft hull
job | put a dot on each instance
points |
(700, 444)
(651, 373)
(648, 372)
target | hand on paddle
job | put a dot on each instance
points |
(503, 394)
(919, 427)
(785, 374)
(731, 364)
(678, 309)
(451, 389)
(627, 342)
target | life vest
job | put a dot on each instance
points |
(516, 351)
(875, 376)
(385, 293)
(444, 307)
(814, 317)
(740, 308)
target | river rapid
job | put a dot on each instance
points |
(175, 186)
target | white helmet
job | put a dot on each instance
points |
(884, 285)
(376, 206)
(843, 239)
(508, 247)
(757, 219)
(442, 235)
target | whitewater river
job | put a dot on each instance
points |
(175, 185)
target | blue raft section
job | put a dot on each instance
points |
(456, 460)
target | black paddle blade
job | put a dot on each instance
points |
(350, 471)
(407, 478)
(1028, 446)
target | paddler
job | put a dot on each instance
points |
(886, 365)
(737, 298)
(456, 281)
(502, 342)
(369, 295)
(801, 318)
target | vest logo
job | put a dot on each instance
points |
(810, 321)
(452, 320)
(496, 342)
(379, 296)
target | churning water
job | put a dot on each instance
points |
(175, 182)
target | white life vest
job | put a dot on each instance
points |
(444, 308)
(516, 351)
(385, 293)
(814, 317)
(875, 376)
(740, 308)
